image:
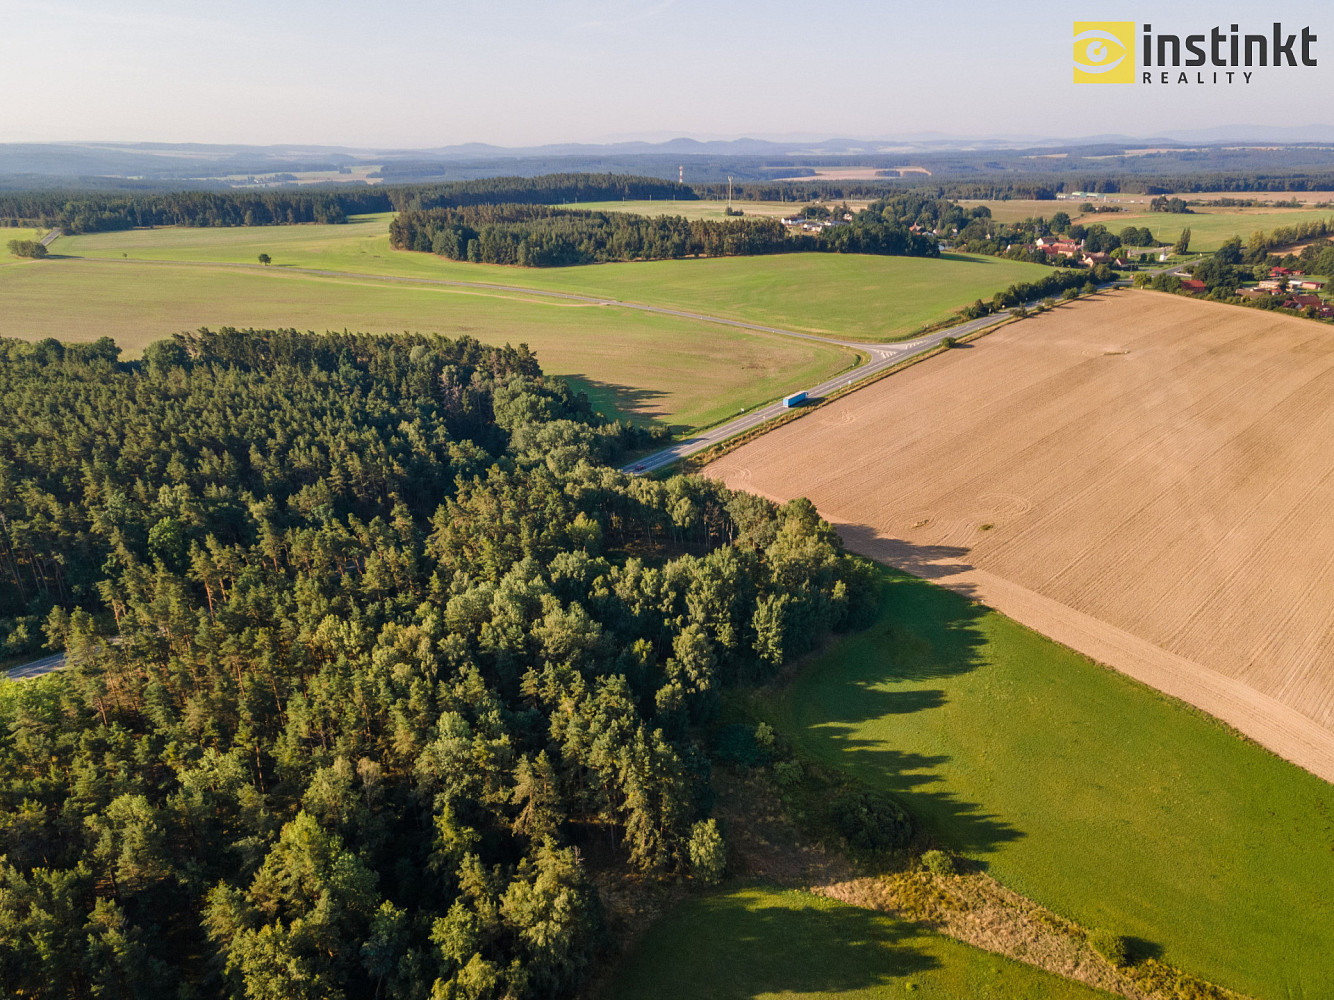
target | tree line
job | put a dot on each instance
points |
(1065, 282)
(81, 212)
(541, 236)
(369, 648)
(86, 212)
(545, 189)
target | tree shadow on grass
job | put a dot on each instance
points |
(925, 633)
(621, 402)
(733, 947)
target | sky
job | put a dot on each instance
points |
(409, 74)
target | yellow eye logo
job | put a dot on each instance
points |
(1104, 52)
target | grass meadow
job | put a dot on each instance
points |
(763, 944)
(1210, 227)
(650, 367)
(854, 297)
(1086, 791)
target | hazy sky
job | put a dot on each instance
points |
(404, 73)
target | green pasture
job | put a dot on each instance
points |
(1210, 228)
(650, 367)
(846, 296)
(764, 944)
(1086, 791)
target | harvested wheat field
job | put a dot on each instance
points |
(1146, 478)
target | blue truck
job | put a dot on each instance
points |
(796, 399)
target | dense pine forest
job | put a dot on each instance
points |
(370, 650)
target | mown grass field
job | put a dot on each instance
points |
(651, 367)
(764, 944)
(1081, 789)
(846, 296)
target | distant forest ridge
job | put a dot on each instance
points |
(83, 212)
(80, 211)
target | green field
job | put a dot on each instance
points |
(763, 944)
(7, 234)
(653, 367)
(857, 297)
(1211, 228)
(1082, 789)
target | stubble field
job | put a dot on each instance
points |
(1143, 477)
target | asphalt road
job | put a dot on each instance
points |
(37, 667)
(882, 356)
(51, 237)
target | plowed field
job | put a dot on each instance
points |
(1146, 478)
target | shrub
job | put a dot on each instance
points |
(1110, 946)
(939, 863)
(788, 773)
(739, 744)
(872, 821)
(764, 735)
(708, 854)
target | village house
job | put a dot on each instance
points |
(1303, 302)
(1065, 248)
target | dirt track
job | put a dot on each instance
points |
(1145, 478)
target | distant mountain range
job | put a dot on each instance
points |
(127, 164)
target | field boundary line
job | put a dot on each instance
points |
(1262, 719)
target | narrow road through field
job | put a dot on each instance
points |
(51, 237)
(882, 356)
